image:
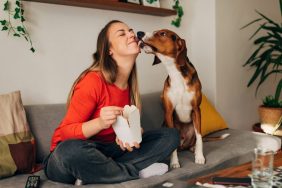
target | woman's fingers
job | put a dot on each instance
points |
(136, 145)
(119, 142)
(128, 147)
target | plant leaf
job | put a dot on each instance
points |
(269, 20)
(261, 39)
(32, 49)
(3, 22)
(257, 31)
(273, 29)
(17, 35)
(254, 21)
(4, 28)
(6, 5)
(255, 75)
(278, 90)
(18, 3)
(266, 76)
(253, 55)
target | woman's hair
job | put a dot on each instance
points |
(106, 64)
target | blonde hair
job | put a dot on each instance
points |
(104, 63)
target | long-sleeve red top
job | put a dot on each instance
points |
(90, 94)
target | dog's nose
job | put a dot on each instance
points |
(140, 35)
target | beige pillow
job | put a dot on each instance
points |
(17, 149)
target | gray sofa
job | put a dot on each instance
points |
(234, 150)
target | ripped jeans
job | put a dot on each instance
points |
(96, 162)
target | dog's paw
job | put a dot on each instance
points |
(200, 159)
(174, 165)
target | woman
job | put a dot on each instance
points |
(84, 146)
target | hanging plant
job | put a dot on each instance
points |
(180, 13)
(15, 16)
(179, 10)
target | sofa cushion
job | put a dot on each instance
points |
(17, 150)
(211, 120)
(43, 120)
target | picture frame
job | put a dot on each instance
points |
(156, 3)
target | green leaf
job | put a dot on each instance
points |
(273, 29)
(21, 29)
(17, 13)
(256, 31)
(6, 5)
(280, 7)
(266, 76)
(32, 49)
(278, 90)
(255, 75)
(17, 35)
(254, 21)
(180, 12)
(269, 20)
(253, 55)
(261, 40)
(3, 22)
(22, 19)
(4, 28)
(18, 3)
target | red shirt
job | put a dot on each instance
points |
(90, 94)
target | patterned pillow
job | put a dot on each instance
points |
(17, 149)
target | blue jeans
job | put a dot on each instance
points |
(96, 162)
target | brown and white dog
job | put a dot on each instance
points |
(182, 94)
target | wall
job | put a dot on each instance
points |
(234, 100)
(65, 38)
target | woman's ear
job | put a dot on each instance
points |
(110, 53)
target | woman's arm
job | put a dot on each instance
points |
(108, 116)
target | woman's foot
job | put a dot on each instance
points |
(155, 169)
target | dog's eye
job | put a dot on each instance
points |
(163, 34)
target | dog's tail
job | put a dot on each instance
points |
(215, 138)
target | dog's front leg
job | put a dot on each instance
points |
(174, 161)
(199, 157)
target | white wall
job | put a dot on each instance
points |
(65, 38)
(234, 100)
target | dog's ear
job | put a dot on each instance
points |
(181, 45)
(156, 60)
(181, 50)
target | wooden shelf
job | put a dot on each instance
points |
(112, 5)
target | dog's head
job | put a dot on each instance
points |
(162, 43)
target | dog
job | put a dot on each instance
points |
(181, 94)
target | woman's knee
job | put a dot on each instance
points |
(69, 150)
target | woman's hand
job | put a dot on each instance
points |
(108, 116)
(126, 146)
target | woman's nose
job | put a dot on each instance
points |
(131, 34)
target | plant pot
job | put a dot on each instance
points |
(269, 115)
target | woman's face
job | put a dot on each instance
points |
(122, 40)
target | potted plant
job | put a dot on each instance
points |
(267, 62)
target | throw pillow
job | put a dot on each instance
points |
(211, 120)
(17, 149)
